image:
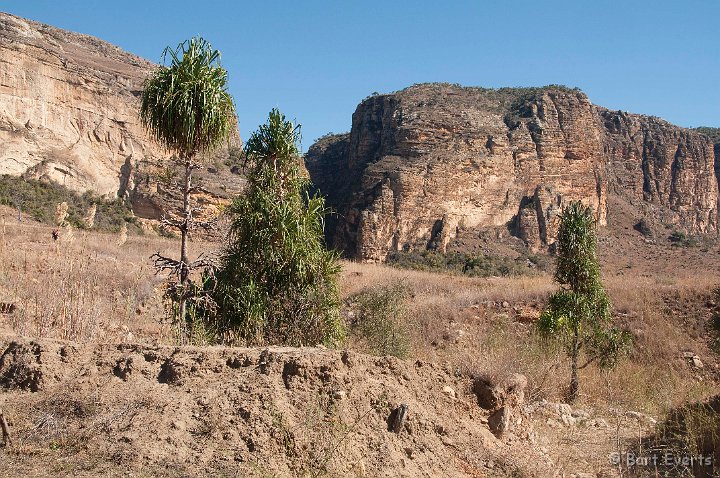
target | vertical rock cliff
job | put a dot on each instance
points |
(423, 163)
(69, 113)
(68, 107)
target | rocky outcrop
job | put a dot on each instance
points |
(69, 113)
(68, 107)
(425, 162)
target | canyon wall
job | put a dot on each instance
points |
(69, 108)
(69, 114)
(423, 163)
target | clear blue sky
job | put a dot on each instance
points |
(316, 60)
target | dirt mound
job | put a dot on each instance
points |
(161, 411)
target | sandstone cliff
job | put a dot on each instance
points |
(69, 113)
(423, 163)
(68, 107)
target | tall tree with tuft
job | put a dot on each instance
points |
(187, 108)
(579, 314)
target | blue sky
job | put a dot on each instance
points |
(316, 60)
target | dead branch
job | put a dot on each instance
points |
(204, 261)
(208, 226)
(207, 260)
(162, 263)
(176, 223)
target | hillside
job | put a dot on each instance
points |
(425, 164)
(93, 383)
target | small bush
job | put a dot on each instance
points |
(643, 227)
(40, 200)
(473, 265)
(379, 320)
(680, 239)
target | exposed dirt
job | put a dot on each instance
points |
(164, 411)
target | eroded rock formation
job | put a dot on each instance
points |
(68, 107)
(425, 162)
(69, 113)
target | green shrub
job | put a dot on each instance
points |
(277, 283)
(473, 265)
(643, 227)
(39, 199)
(680, 239)
(379, 319)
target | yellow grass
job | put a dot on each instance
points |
(92, 289)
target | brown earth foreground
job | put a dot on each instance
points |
(183, 411)
(92, 384)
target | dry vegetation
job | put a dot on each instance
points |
(88, 287)
(83, 287)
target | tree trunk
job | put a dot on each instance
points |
(185, 322)
(574, 381)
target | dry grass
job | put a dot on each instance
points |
(461, 321)
(84, 289)
(92, 289)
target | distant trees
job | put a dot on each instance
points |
(187, 108)
(277, 283)
(578, 314)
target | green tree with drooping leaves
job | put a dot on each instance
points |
(186, 106)
(277, 282)
(579, 313)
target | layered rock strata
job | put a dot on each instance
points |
(425, 162)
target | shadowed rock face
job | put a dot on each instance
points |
(424, 162)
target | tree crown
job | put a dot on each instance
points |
(185, 103)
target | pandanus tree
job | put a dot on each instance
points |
(187, 108)
(276, 282)
(579, 313)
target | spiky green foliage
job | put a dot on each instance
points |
(579, 314)
(187, 108)
(277, 282)
(185, 103)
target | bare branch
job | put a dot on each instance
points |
(589, 361)
(208, 226)
(206, 260)
(162, 264)
(176, 223)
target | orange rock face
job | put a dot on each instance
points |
(424, 162)
(69, 113)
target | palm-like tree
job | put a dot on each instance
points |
(187, 108)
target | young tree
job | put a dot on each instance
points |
(277, 283)
(579, 315)
(187, 108)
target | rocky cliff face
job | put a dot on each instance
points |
(69, 113)
(68, 107)
(421, 164)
